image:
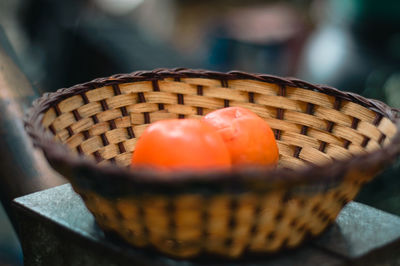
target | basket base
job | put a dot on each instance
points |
(57, 229)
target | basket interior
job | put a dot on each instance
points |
(310, 127)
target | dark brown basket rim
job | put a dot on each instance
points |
(59, 155)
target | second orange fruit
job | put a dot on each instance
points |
(248, 137)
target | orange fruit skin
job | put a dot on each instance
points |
(180, 144)
(249, 139)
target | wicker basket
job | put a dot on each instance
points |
(330, 143)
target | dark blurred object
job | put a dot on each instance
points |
(262, 38)
(354, 40)
(10, 249)
(254, 36)
(23, 170)
(75, 41)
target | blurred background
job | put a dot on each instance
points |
(353, 45)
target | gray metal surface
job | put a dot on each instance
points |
(361, 229)
(57, 229)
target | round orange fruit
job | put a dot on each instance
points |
(249, 138)
(180, 144)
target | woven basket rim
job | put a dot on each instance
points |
(58, 154)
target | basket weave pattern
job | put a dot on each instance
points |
(313, 125)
